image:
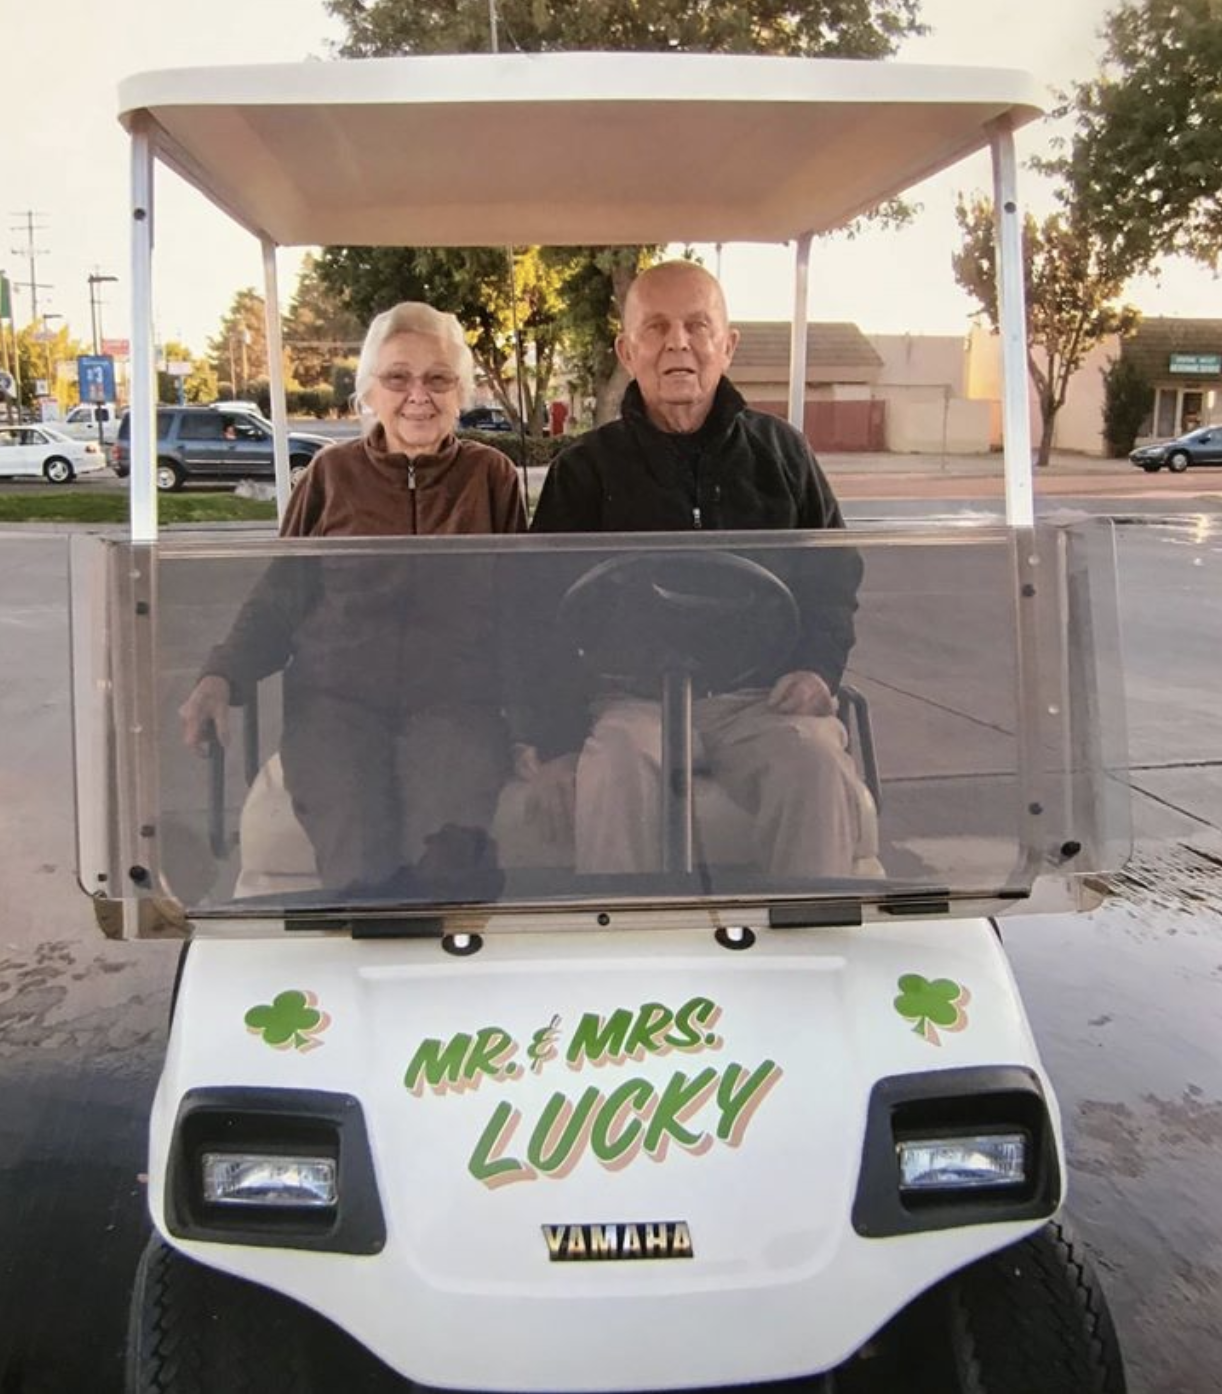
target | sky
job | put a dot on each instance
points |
(66, 160)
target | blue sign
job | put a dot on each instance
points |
(95, 376)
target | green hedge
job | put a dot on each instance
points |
(540, 450)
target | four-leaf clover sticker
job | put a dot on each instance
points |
(931, 1005)
(292, 1021)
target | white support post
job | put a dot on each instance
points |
(275, 375)
(797, 334)
(1012, 319)
(142, 443)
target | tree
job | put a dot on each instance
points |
(800, 28)
(472, 283)
(238, 352)
(1071, 284)
(39, 352)
(199, 385)
(1128, 398)
(318, 329)
(594, 279)
(1145, 163)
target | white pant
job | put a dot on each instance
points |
(793, 774)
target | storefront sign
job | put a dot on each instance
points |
(1196, 365)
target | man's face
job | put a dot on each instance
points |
(676, 344)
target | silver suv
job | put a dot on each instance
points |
(195, 443)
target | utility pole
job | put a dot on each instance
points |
(492, 35)
(31, 253)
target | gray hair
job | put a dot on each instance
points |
(412, 317)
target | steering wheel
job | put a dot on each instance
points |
(723, 620)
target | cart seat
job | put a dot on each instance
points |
(277, 859)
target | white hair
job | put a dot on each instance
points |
(412, 317)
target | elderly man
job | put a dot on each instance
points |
(689, 454)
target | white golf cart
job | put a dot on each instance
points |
(503, 1124)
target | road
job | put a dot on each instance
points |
(1126, 1002)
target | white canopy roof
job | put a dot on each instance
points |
(564, 148)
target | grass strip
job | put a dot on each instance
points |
(67, 506)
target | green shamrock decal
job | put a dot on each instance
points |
(291, 1022)
(932, 1005)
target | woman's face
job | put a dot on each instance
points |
(414, 393)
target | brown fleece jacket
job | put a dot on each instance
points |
(359, 489)
(380, 630)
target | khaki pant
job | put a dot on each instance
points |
(793, 774)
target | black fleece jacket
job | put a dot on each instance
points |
(742, 470)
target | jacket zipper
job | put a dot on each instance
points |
(411, 489)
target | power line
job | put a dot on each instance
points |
(31, 253)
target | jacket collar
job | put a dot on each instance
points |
(728, 404)
(396, 465)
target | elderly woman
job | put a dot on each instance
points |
(392, 731)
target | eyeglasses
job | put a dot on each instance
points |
(435, 381)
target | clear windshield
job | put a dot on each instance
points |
(879, 718)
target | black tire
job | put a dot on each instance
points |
(57, 470)
(169, 476)
(193, 1330)
(1177, 461)
(1152, 466)
(1030, 1319)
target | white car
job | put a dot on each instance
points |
(30, 451)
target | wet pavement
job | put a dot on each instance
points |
(1126, 1001)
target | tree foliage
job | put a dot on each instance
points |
(573, 295)
(238, 352)
(472, 283)
(1145, 162)
(1071, 287)
(200, 385)
(1128, 399)
(802, 28)
(319, 329)
(39, 351)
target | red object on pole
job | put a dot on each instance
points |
(559, 415)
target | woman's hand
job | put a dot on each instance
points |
(205, 713)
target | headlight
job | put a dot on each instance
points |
(281, 1168)
(262, 1178)
(962, 1163)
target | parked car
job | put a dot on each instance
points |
(33, 451)
(81, 423)
(485, 419)
(1200, 447)
(204, 443)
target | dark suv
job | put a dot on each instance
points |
(205, 443)
(485, 419)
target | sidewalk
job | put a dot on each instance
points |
(876, 476)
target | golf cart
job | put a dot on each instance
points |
(503, 1123)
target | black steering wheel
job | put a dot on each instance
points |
(722, 620)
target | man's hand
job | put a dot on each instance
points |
(205, 713)
(552, 793)
(802, 693)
